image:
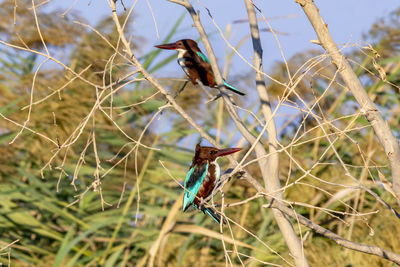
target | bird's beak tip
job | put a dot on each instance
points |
(228, 151)
(171, 46)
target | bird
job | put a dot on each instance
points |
(203, 175)
(195, 64)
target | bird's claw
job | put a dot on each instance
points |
(201, 205)
(214, 98)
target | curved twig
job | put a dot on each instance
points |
(385, 136)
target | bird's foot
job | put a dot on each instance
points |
(201, 205)
(214, 98)
(181, 90)
(168, 103)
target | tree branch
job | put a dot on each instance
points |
(274, 203)
(385, 136)
(374, 250)
(272, 182)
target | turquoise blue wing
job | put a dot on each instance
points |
(194, 178)
(230, 87)
(203, 57)
(233, 89)
(216, 217)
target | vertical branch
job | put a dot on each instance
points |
(272, 163)
(272, 183)
(385, 136)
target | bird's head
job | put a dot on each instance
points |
(184, 44)
(211, 153)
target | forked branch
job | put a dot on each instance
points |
(274, 202)
(385, 136)
(271, 180)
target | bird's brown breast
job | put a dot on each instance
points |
(207, 186)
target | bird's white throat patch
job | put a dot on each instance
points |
(217, 171)
(181, 52)
(181, 60)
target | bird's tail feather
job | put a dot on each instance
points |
(216, 217)
(233, 89)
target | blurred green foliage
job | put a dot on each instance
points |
(142, 212)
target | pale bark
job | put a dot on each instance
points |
(270, 166)
(274, 203)
(382, 130)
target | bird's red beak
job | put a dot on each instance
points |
(227, 151)
(171, 46)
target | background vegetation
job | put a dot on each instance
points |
(89, 184)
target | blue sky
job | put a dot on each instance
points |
(346, 19)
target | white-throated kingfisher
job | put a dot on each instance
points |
(195, 64)
(202, 177)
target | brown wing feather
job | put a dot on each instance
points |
(211, 79)
(202, 70)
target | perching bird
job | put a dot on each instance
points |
(195, 64)
(203, 175)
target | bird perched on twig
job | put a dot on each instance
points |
(195, 64)
(202, 176)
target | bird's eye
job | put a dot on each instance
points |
(212, 152)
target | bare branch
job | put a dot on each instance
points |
(272, 163)
(374, 250)
(385, 136)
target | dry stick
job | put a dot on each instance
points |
(29, 129)
(154, 82)
(166, 228)
(385, 136)
(320, 230)
(346, 243)
(355, 246)
(255, 259)
(374, 250)
(270, 167)
(345, 168)
(226, 205)
(30, 102)
(363, 187)
(270, 181)
(51, 58)
(58, 90)
(79, 130)
(9, 245)
(371, 192)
